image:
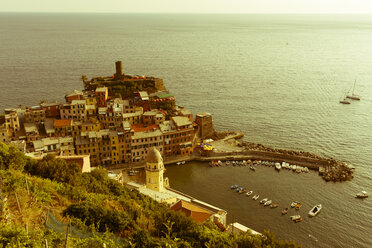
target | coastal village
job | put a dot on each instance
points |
(124, 122)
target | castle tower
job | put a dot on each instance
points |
(119, 69)
(154, 171)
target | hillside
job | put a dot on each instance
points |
(102, 213)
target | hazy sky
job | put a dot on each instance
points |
(189, 6)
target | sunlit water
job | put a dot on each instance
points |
(277, 78)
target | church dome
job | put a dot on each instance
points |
(154, 156)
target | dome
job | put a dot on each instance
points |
(154, 156)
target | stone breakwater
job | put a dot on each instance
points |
(229, 148)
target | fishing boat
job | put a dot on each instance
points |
(293, 217)
(234, 186)
(264, 200)
(353, 96)
(274, 205)
(298, 220)
(268, 203)
(255, 197)
(249, 193)
(285, 211)
(293, 204)
(362, 194)
(298, 206)
(315, 210)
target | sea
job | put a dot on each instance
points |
(277, 78)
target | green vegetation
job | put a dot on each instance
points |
(112, 214)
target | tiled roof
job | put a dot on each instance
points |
(62, 123)
(197, 213)
(181, 121)
(142, 128)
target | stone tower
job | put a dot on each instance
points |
(119, 70)
(154, 171)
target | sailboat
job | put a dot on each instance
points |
(345, 100)
(353, 96)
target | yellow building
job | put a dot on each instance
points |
(154, 171)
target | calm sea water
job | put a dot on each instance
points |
(278, 78)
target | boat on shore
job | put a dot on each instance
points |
(268, 203)
(362, 194)
(255, 197)
(315, 210)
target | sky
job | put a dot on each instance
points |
(189, 6)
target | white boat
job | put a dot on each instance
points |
(294, 167)
(298, 169)
(255, 197)
(315, 210)
(249, 193)
(264, 200)
(268, 203)
(353, 96)
(293, 204)
(294, 217)
(278, 166)
(344, 101)
(362, 194)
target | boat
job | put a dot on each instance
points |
(252, 168)
(315, 210)
(178, 163)
(353, 96)
(234, 186)
(255, 197)
(298, 206)
(249, 193)
(278, 166)
(293, 217)
(362, 194)
(268, 203)
(264, 200)
(299, 169)
(285, 211)
(243, 191)
(274, 205)
(239, 189)
(293, 204)
(344, 100)
(298, 220)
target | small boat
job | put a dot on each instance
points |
(299, 169)
(362, 194)
(234, 186)
(298, 220)
(278, 166)
(315, 210)
(298, 206)
(344, 101)
(243, 191)
(293, 217)
(294, 167)
(255, 197)
(249, 193)
(353, 96)
(268, 203)
(285, 211)
(274, 205)
(239, 189)
(264, 200)
(293, 204)
(178, 163)
(252, 168)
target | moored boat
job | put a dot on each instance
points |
(298, 206)
(249, 193)
(293, 204)
(252, 168)
(362, 194)
(298, 220)
(239, 189)
(285, 211)
(278, 166)
(274, 205)
(243, 191)
(315, 210)
(255, 197)
(293, 217)
(268, 203)
(234, 186)
(264, 200)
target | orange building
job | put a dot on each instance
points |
(101, 96)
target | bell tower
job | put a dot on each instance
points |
(154, 171)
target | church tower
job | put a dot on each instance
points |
(154, 171)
